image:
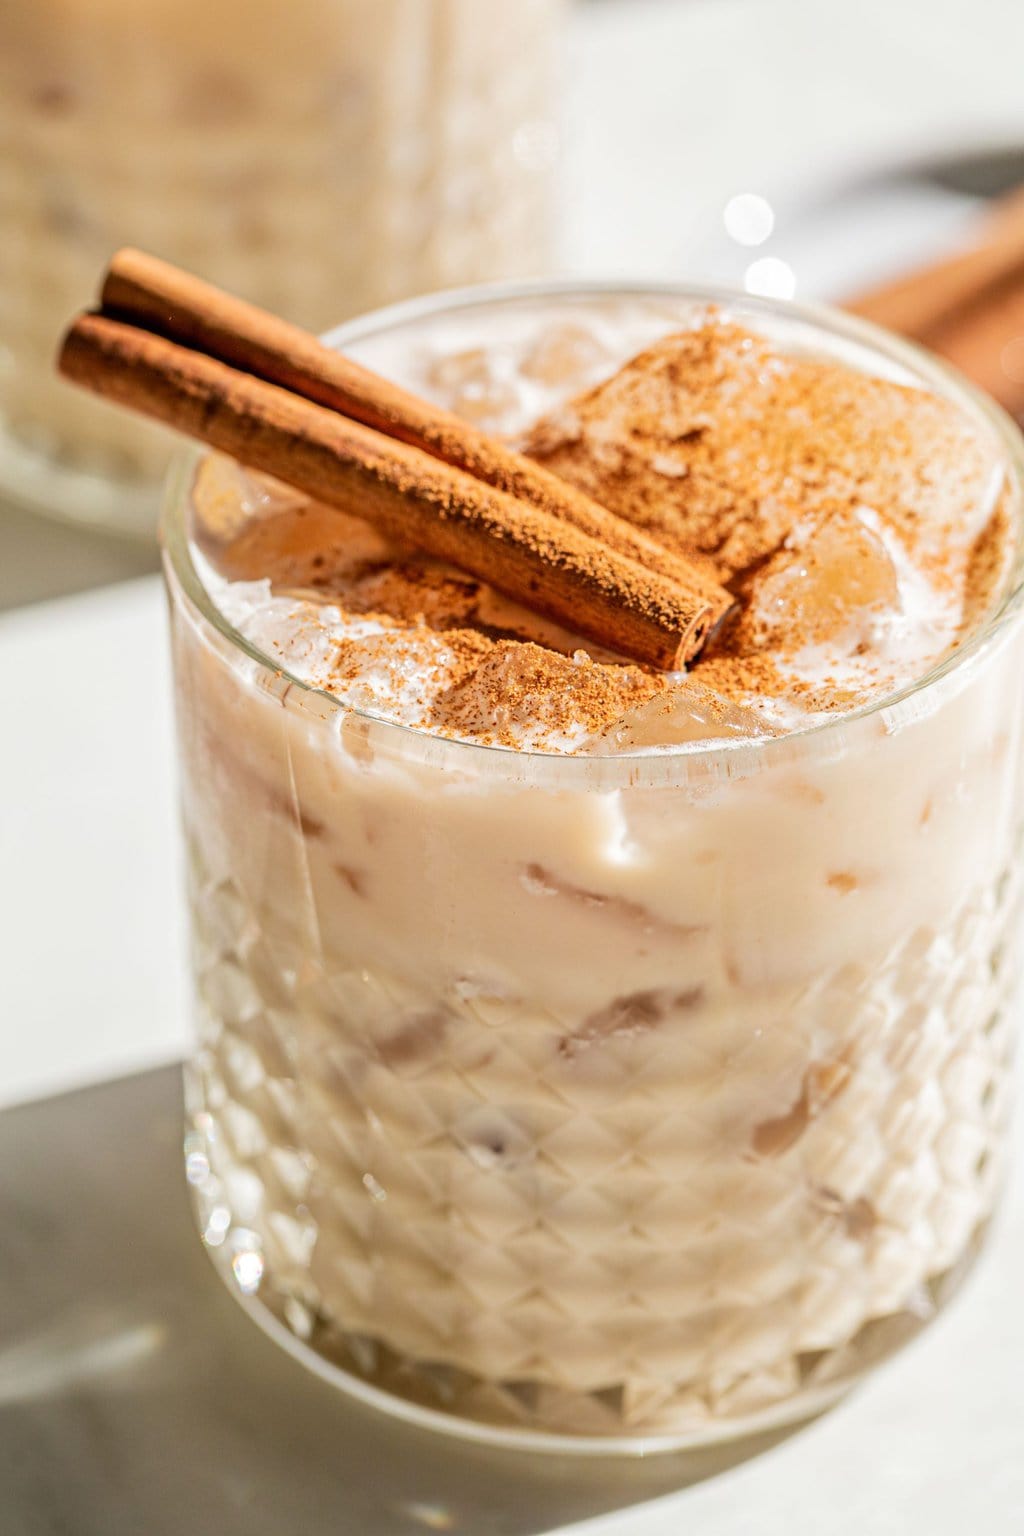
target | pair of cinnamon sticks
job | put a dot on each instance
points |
(275, 398)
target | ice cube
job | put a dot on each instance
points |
(477, 384)
(566, 354)
(297, 546)
(687, 712)
(226, 498)
(840, 585)
(527, 696)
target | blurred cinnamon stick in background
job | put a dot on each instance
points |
(969, 306)
(249, 384)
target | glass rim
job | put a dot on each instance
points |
(731, 755)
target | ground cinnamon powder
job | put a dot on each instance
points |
(795, 482)
(737, 456)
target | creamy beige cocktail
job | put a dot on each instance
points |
(582, 1050)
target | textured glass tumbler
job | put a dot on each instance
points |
(622, 1103)
(318, 157)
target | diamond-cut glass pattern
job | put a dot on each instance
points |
(455, 1205)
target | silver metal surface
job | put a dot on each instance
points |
(138, 1399)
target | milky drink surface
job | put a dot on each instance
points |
(584, 1050)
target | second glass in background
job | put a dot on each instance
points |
(319, 158)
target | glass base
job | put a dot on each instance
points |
(278, 1314)
(789, 1415)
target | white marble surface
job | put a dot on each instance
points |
(93, 977)
(675, 107)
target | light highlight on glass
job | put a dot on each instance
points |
(771, 278)
(247, 1268)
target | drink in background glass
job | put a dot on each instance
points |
(614, 1094)
(317, 156)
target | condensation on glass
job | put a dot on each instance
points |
(319, 157)
(602, 1102)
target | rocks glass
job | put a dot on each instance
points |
(599, 1102)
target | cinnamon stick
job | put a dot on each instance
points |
(918, 302)
(172, 303)
(534, 557)
(968, 307)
